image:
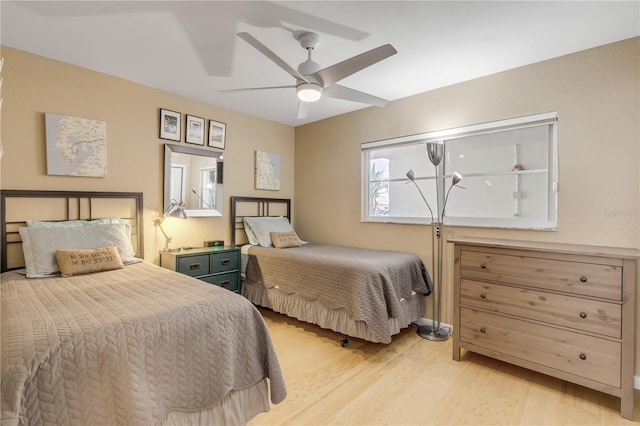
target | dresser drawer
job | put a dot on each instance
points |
(585, 356)
(228, 281)
(225, 261)
(593, 316)
(193, 265)
(572, 277)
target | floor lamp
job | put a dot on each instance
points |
(435, 152)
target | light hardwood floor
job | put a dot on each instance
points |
(413, 381)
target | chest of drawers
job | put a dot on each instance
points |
(216, 265)
(563, 310)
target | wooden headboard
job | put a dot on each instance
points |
(18, 206)
(242, 207)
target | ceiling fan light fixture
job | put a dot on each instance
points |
(309, 92)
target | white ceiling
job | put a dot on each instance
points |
(190, 47)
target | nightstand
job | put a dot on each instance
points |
(215, 265)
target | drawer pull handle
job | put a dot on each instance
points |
(583, 357)
(583, 279)
(483, 266)
(225, 261)
(482, 295)
(194, 266)
(483, 330)
(224, 283)
(583, 315)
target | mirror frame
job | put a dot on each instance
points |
(170, 148)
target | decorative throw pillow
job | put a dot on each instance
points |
(75, 262)
(285, 239)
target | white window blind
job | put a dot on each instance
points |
(509, 169)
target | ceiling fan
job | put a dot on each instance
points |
(312, 82)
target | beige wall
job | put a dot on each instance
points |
(34, 85)
(596, 94)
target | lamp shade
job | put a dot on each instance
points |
(434, 152)
(410, 175)
(309, 92)
(176, 209)
(456, 178)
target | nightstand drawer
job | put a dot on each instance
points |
(228, 281)
(589, 279)
(225, 261)
(194, 265)
(215, 265)
(578, 354)
(593, 316)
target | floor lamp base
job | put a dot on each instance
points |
(429, 333)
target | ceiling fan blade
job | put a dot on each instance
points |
(256, 88)
(303, 109)
(337, 72)
(269, 54)
(341, 92)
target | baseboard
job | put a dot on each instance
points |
(427, 321)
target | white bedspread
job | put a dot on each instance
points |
(126, 346)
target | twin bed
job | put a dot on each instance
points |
(136, 344)
(133, 343)
(368, 294)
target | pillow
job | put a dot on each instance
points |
(285, 239)
(251, 237)
(109, 220)
(262, 227)
(75, 262)
(39, 244)
(43, 224)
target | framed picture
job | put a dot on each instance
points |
(75, 146)
(170, 122)
(267, 170)
(195, 130)
(217, 134)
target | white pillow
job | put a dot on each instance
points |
(43, 224)
(67, 223)
(109, 220)
(39, 244)
(262, 227)
(251, 236)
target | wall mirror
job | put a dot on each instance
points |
(193, 176)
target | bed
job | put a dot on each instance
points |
(362, 293)
(131, 344)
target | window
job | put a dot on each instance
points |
(207, 196)
(509, 171)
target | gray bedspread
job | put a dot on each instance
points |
(123, 347)
(367, 283)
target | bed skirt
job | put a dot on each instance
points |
(337, 320)
(237, 408)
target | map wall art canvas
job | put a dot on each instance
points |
(75, 146)
(267, 170)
